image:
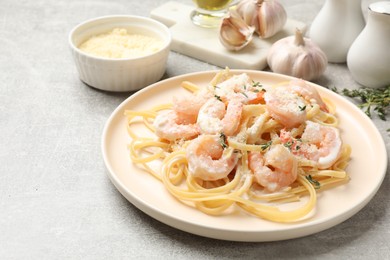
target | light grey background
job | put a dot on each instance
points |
(56, 200)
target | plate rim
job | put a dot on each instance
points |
(307, 228)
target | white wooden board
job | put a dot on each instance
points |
(203, 43)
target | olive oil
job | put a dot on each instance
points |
(209, 13)
(212, 5)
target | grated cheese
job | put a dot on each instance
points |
(119, 44)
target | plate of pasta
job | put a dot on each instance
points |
(243, 155)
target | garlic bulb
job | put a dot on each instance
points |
(297, 56)
(267, 16)
(234, 33)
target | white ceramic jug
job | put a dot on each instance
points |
(369, 56)
(336, 26)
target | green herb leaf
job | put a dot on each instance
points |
(372, 100)
(316, 183)
(218, 97)
(288, 145)
(222, 139)
(334, 89)
(266, 145)
(256, 84)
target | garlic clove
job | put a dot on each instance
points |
(234, 33)
(248, 11)
(272, 18)
(297, 56)
(267, 16)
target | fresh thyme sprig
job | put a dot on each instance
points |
(377, 100)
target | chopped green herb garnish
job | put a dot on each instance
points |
(266, 145)
(218, 97)
(288, 144)
(256, 84)
(302, 108)
(222, 138)
(316, 183)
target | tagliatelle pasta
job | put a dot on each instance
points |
(227, 147)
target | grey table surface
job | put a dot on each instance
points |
(56, 200)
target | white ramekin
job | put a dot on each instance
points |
(129, 74)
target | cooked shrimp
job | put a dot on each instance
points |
(172, 126)
(232, 85)
(285, 107)
(318, 143)
(324, 144)
(231, 120)
(241, 84)
(208, 160)
(210, 115)
(190, 104)
(274, 170)
(308, 92)
(214, 118)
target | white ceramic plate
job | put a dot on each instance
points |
(367, 169)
